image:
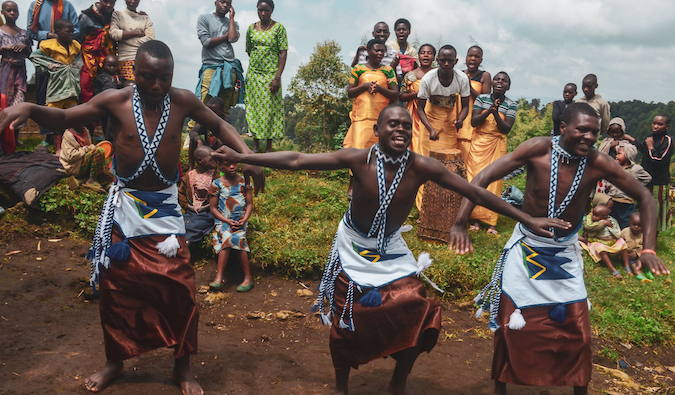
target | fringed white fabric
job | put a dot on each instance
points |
(169, 247)
(516, 320)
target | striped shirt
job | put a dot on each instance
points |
(507, 107)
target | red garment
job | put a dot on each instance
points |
(96, 46)
(148, 301)
(405, 319)
(7, 141)
(544, 352)
(57, 13)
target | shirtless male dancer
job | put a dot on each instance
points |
(377, 302)
(161, 288)
(542, 327)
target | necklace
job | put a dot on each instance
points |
(267, 28)
(155, 107)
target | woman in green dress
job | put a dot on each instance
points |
(267, 47)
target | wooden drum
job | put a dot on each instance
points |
(439, 205)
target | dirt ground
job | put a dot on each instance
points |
(51, 340)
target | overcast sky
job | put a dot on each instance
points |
(542, 44)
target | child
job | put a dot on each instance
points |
(109, 77)
(61, 58)
(602, 236)
(217, 105)
(481, 83)
(588, 86)
(633, 237)
(657, 150)
(15, 47)
(381, 32)
(83, 159)
(406, 54)
(231, 205)
(410, 86)
(493, 117)
(193, 196)
(377, 303)
(615, 134)
(624, 205)
(559, 106)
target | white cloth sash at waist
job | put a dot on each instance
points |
(541, 271)
(149, 213)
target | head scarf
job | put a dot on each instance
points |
(620, 122)
(57, 13)
(629, 150)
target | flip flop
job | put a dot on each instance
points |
(492, 231)
(474, 228)
(628, 270)
(215, 286)
(245, 288)
(617, 275)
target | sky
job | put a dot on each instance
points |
(542, 44)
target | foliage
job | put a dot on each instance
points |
(638, 115)
(81, 206)
(529, 123)
(238, 119)
(320, 85)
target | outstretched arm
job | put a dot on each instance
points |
(291, 160)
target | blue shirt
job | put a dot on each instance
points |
(45, 19)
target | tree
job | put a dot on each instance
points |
(321, 87)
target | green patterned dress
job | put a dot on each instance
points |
(264, 110)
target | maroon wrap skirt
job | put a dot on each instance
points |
(544, 352)
(148, 301)
(405, 319)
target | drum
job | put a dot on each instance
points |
(439, 205)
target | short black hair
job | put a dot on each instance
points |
(477, 47)
(433, 49)
(508, 77)
(572, 84)
(268, 2)
(573, 110)
(591, 77)
(375, 25)
(217, 101)
(448, 47)
(403, 21)
(389, 108)
(373, 42)
(62, 24)
(666, 116)
(156, 49)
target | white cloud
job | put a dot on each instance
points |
(543, 44)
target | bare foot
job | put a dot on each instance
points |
(183, 376)
(398, 390)
(99, 380)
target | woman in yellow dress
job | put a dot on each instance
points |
(374, 87)
(481, 83)
(411, 85)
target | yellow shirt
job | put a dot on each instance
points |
(56, 51)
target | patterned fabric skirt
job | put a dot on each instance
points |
(594, 248)
(264, 109)
(127, 69)
(148, 301)
(93, 164)
(225, 237)
(405, 319)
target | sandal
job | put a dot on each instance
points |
(474, 227)
(628, 270)
(492, 231)
(617, 275)
(215, 286)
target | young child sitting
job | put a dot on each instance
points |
(193, 196)
(624, 205)
(602, 236)
(231, 205)
(83, 159)
(633, 237)
(60, 57)
(109, 77)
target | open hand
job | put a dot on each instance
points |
(459, 238)
(541, 225)
(654, 264)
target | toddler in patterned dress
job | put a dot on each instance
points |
(231, 205)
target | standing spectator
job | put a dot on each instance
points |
(588, 86)
(267, 46)
(406, 53)
(130, 28)
(380, 31)
(41, 17)
(15, 46)
(221, 74)
(480, 84)
(96, 43)
(410, 86)
(559, 106)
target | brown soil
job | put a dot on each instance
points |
(51, 340)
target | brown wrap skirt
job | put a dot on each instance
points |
(148, 301)
(544, 352)
(405, 319)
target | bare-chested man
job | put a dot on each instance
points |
(377, 302)
(145, 303)
(543, 334)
